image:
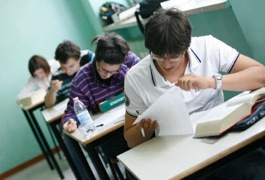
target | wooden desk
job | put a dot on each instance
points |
(33, 123)
(188, 6)
(53, 117)
(176, 157)
(113, 121)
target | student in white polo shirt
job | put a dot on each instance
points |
(191, 64)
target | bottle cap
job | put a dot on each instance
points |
(75, 99)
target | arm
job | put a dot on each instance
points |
(50, 98)
(70, 121)
(132, 133)
(247, 74)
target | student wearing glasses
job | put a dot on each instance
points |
(100, 80)
(191, 66)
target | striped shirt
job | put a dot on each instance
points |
(92, 90)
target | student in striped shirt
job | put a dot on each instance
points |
(100, 80)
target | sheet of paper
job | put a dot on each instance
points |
(112, 116)
(61, 106)
(171, 113)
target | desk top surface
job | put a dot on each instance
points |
(56, 112)
(110, 120)
(175, 157)
(188, 6)
(32, 106)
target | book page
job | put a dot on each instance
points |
(246, 97)
(171, 113)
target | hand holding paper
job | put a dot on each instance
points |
(171, 113)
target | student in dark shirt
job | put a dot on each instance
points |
(69, 56)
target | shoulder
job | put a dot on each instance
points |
(141, 69)
(131, 59)
(209, 42)
(210, 50)
(132, 55)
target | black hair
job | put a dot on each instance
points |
(66, 50)
(168, 31)
(111, 48)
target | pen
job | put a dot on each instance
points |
(99, 125)
(142, 129)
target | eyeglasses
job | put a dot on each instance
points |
(105, 71)
(174, 59)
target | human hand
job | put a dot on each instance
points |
(56, 85)
(149, 125)
(70, 125)
(191, 81)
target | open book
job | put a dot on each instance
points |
(171, 113)
(218, 120)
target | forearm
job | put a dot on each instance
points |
(248, 79)
(50, 99)
(134, 137)
(132, 133)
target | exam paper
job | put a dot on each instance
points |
(171, 113)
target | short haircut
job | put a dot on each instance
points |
(168, 31)
(111, 48)
(66, 50)
(38, 62)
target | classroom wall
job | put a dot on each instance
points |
(31, 27)
(250, 15)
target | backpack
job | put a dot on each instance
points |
(108, 9)
(146, 9)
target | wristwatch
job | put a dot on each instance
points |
(218, 81)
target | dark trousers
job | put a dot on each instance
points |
(248, 167)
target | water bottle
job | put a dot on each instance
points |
(86, 122)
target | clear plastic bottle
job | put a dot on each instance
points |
(86, 122)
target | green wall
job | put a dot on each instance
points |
(31, 27)
(250, 15)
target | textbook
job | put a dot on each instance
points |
(112, 103)
(33, 98)
(220, 119)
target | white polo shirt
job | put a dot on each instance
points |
(207, 56)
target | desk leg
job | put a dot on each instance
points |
(67, 154)
(93, 154)
(38, 139)
(46, 145)
(82, 158)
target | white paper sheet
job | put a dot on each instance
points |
(171, 113)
